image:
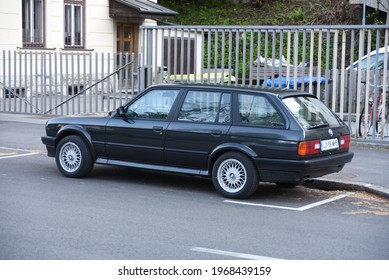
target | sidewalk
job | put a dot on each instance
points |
(368, 171)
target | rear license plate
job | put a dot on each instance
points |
(329, 144)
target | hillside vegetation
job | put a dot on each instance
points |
(264, 12)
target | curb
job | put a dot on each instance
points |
(324, 184)
(370, 143)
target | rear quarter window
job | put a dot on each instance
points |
(257, 110)
(310, 112)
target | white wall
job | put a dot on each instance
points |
(99, 27)
(10, 24)
(54, 24)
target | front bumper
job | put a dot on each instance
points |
(49, 141)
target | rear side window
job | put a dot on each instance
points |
(257, 110)
(204, 106)
(310, 112)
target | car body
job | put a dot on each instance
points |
(238, 136)
(371, 60)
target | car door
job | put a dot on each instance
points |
(201, 123)
(138, 134)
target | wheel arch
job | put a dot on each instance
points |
(230, 147)
(78, 130)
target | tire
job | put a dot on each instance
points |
(73, 157)
(235, 176)
(362, 124)
(370, 121)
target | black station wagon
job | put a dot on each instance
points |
(237, 136)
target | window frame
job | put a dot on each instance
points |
(132, 114)
(238, 117)
(73, 44)
(32, 18)
(222, 94)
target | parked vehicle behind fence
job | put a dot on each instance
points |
(238, 136)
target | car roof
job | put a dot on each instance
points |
(280, 92)
(380, 50)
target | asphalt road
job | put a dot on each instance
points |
(120, 213)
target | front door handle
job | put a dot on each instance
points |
(158, 129)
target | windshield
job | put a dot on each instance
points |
(310, 112)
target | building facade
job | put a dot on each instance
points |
(82, 25)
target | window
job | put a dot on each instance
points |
(156, 104)
(74, 23)
(311, 113)
(202, 106)
(257, 110)
(32, 23)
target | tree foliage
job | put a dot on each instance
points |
(264, 12)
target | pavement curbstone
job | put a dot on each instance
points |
(327, 184)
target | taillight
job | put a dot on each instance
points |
(309, 148)
(345, 142)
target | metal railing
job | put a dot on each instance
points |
(49, 82)
(319, 59)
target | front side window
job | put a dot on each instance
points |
(155, 104)
(32, 23)
(74, 21)
(204, 106)
(257, 110)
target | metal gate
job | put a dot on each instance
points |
(50, 82)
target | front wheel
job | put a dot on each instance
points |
(235, 176)
(73, 157)
(369, 125)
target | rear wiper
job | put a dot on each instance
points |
(319, 126)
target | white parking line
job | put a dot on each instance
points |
(303, 208)
(18, 155)
(230, 254)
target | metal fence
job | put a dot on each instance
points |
(66, 83)
(320, 59)
(328, 61)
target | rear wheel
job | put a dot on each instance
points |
(73, 157)
(235, 176)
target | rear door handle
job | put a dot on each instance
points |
(216, 132)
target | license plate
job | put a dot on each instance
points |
(329, 144)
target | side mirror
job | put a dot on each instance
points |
(121, 111)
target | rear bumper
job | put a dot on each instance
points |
(280, 170)
(50, 145)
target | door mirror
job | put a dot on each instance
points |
(121, 111)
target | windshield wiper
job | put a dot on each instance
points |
(319, 126)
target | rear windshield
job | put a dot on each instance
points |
(310, 112)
